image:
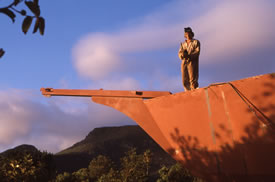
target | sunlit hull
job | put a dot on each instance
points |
(225, 132)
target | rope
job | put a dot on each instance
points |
(250, 105)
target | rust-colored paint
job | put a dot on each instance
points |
(103, 93)
(224, 132)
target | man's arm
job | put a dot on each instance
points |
(181, 52)
(196, 52)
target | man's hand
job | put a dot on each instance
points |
(181, 55)
(185, 54)
(2, 52)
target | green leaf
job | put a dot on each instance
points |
(33, 7)
(26, 24)
(41, 25)
(2, 52)
(36, 26)
(8, 12)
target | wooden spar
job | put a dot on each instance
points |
(103, 93)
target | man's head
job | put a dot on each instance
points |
(188, 33)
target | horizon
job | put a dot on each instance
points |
(131, 47)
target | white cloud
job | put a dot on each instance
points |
(53, 125)
(229, 28)
(126, 83)
(235, 27)
(95, 56)
(11, 109)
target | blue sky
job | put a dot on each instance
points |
(119, 45)
(66, 23)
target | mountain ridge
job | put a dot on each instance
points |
(113, 142)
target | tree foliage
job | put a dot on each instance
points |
(135, 168)
(112, 176)
(99, 166)
(79, 176)
(27, 166)
(82, 175)
(32, 6)
(65, 177)
(34, 165)
(176, 173)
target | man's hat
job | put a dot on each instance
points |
(189, 30)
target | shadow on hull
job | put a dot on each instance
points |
(224, 132)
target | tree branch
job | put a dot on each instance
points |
(9, 6)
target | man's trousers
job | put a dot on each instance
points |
(190, 74)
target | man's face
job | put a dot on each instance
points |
(186, 35)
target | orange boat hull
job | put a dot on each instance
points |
(224, 132)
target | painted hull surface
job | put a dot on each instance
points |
(224, 132)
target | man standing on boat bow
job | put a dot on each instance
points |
(189, 54)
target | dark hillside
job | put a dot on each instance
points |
(20, 149)
(112, 142)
